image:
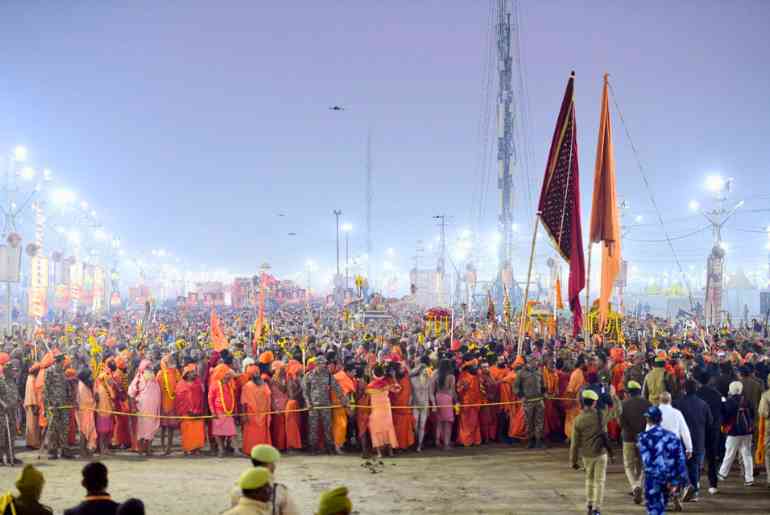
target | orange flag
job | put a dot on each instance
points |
(218, 340)
(559, 301)
(605, 220)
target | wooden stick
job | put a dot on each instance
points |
(586, 335)
(522, 321)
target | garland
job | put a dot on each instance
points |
(229, 412)
(171, 395)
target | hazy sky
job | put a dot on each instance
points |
(191, 125)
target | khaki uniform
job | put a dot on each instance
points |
(529, 386)
(656, 382)
(586, 442)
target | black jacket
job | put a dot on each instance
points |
(699, 419)
(714, 400)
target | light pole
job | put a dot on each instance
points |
(346, 228)
(337, 213)
(717, 217)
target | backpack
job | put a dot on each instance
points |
(743, 424)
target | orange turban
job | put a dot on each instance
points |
(266, 357)
(219, 372)
(70, 373)
(120, 362)
(519, 361)
(189, 368)
(4, 358)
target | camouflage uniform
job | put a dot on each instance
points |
(9, 399)
(316, 388)
(57, 394)
(529, 387)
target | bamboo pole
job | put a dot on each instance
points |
(586, 335)
(522, 321)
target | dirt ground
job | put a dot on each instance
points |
(490, 479)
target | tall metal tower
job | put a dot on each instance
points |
(369, 256)
(506, 157)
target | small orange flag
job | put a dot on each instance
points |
(559, 301)
(605, 219)
(218, 340)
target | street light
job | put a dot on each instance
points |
(20, 154)
(715, 183)
(693, 205)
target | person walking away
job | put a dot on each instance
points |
(30, 486)
(674, 421)
(657, 380)
(268, 457)
(589, 442)
(144, 390)
(632, 422)
(97, 501)
(698, 417)
(444, 398)
(763, 414)
(381, 429)
(739, 425)
(713, 399)
(528, 385)
(188, 402)
(663, 458)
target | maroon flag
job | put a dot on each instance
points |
(559, 205)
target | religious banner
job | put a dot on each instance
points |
(87, 291)
(76, 284)
(98, 289)
(38, 287)
(62, 297)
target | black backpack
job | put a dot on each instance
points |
(743, 422)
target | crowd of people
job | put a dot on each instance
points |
(315, 380)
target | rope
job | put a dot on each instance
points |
(651, 195)
(301, 410)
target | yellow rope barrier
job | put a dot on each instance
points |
(301, 410)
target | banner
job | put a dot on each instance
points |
(98, 289)
(38, 287)
(76, 284)
(10, 264)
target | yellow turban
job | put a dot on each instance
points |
(30, 480)
(334, 502)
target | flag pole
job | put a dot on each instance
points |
(586, 333)
(522, 321)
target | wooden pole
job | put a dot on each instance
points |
(522, 321)
(586, 334)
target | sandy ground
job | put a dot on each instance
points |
(490, 479)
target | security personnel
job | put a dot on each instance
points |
(529, 386)
(57, 397)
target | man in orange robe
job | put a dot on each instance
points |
(489, 414)
(517, 424)
(188, 402)
(167, 379)
(576, 382)
(256, 402)
(340, 414)
(498, 373)
(122, 435)
(31, 409)
(469, 392)
(554, 427)
(403, 418)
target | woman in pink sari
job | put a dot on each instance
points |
(84, 416)
(146, 393)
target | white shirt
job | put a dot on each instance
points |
(673, 421)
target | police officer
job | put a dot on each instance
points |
(57, 397)
(316, 388)
(9, 403)
(529, 386)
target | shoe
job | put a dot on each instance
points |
(637, 493)
(713, 491)
(721, 477)
(590, 510)
(595, 512)
(540, 444)
(688, 493)
(676, 503)
(531, 444)
(748, 483)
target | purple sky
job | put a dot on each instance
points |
(191, 127)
